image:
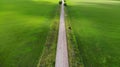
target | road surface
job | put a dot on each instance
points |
(62, 53)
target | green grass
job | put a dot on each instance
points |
(75, 58)
(49, 52)
(96, 26)
(24, 26)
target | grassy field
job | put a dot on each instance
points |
(96, 26)
(24, 26)
(49, 53)
(75, 58)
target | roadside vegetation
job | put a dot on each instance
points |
(75, 58)
(49, 53)
(24, 28)
(96, 26)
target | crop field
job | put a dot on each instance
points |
(96, 26)
(24, 26)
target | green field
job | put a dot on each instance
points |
(29, 28)
(24, 26)
(96, 25)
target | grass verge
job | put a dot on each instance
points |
(75, 59)
(49, 53)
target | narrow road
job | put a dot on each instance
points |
(62, 53)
